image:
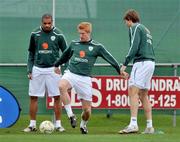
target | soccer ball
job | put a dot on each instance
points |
(46, 127)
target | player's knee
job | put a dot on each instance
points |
(34, 99)
(147, 109)
(87, 110)
(62, 87)
(56, 98)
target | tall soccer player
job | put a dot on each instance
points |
(142, 53)
(45, 44)
(82, 55)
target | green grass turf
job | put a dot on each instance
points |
(101, 129)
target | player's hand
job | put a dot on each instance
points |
(124, 75)
(122, 69)
(57, 70)
(30, 76)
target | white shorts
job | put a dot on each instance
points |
(141, 74)
(81, 84)
(44, 79)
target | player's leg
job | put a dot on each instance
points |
(33, 108)
(142, 75)
(83, 88)
(148, 73)
(64, 86)
(57, 107)
(36, 89)
(146, 104)
(58, 112)
(133, 91)
(52, 80)
(147, 110)
(134, 104)
(85, 116)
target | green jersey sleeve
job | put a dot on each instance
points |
(64, 57)
(62, 43)
(134, 44)
(109, 58)
(31, 53)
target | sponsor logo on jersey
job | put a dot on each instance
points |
(45, 51)
(91, 48)
(81, 60)
(82, 54)
(53, 38)
(45, 45)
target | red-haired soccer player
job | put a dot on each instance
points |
(82, 55)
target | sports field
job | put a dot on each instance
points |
(101, 129)
(18, 18)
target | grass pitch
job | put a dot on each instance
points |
(101, 129)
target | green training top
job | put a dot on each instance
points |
(83, 56)
(44, 48)
(141, 45)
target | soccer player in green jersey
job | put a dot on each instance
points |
(142, 53)
(44, 46)
(82, 55)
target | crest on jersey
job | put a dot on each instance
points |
(91, 48)
(53, 38)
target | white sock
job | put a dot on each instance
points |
(68, 110)
(83, 123)
(32, 123)
(58, 123)
(149, 123)
(133, 121)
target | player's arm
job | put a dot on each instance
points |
(109, 58)
(62, 46)
(66, 55)
(31, 54)
(134, 44)
(62, 43)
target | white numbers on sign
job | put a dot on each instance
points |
(164, 100)
(118, 100)
(167, 100)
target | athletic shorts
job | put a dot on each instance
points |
(141, 74)
(81, 84)
(44, 79)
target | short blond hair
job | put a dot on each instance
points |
(85, 26)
